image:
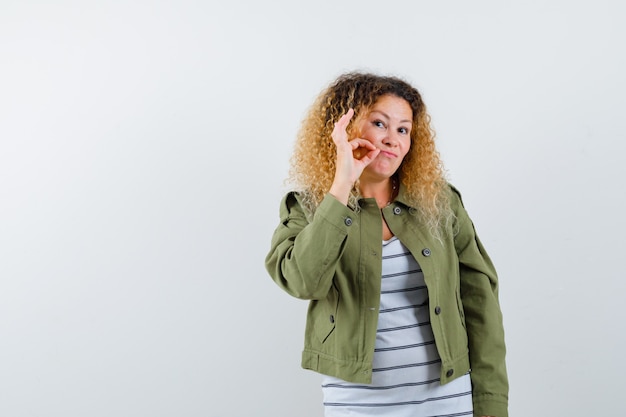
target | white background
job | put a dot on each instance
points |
(143, 148)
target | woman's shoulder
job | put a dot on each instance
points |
(292, 200)
(456, 204)
(298, 203)
(456, 200)
(454, 189)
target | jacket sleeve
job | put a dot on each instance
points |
(483, 317)
(304, 254)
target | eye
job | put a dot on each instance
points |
(378, 123)
(403, 130)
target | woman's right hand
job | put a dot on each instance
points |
(352, 158)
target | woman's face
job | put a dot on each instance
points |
(388, 126)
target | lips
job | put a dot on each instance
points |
(388, 154)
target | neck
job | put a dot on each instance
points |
(382, 191)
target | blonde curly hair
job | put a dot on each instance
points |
(313, 162)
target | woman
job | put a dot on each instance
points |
(404, 318)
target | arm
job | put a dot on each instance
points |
(479, 295)
(303, 255)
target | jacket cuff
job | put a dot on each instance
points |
(490, 405)
(335, 213)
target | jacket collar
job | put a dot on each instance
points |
(401, 198)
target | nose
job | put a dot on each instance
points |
(391, 138)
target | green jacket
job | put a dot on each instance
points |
(333, 258)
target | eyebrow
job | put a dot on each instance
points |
(387, 116)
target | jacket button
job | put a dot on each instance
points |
(426, 252)
(332, 318)
(450, 373)
(437, 310)
(348, 221)
(397, 210)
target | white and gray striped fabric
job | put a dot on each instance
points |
(405, 379)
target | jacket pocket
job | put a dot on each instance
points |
(325, 313)
(459, 304)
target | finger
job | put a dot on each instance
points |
(345, 119)
(365, 155)
(362, 143)
(370, 156)
(340, 127)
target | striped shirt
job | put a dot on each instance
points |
(406, 367)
